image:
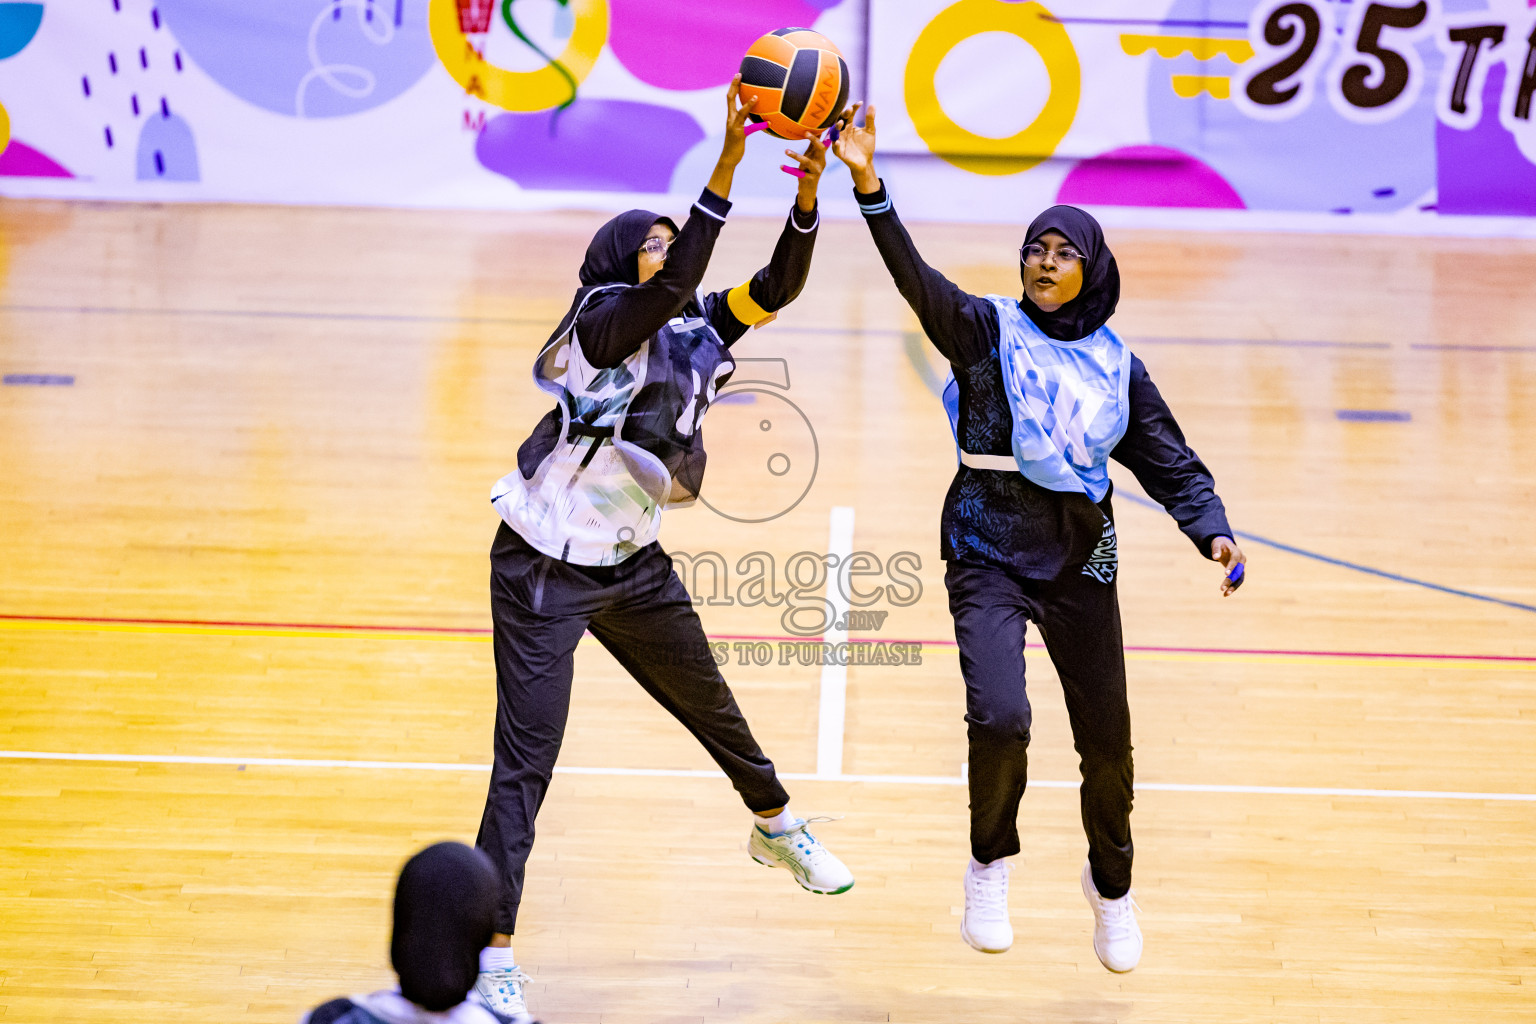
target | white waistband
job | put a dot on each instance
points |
(1002, 463)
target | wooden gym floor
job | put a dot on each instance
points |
(243, 561)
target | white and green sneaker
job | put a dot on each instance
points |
(501, 992)
(814, 866)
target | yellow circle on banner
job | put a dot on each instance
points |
(1035, 25)
(5, 129)
(518, 90)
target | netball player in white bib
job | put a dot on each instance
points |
(632, 369)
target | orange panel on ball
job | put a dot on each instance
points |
(805, 39)
(777, 49)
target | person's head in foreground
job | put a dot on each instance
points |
(445, 906)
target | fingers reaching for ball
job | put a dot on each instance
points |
(855, 147)
(813, 161)
(736, 114)
(811, 164)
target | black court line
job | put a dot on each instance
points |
(1131, 340)
(290, 314)
(925, 372)
(513, 321)
(1256, 342)
(1137, 499)
(1474, 348)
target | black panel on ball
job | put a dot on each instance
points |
(764, 74)
(802, 81)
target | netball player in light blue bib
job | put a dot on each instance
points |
(1041, 396)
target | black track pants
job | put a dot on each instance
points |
(1079, 620)
(641, 612)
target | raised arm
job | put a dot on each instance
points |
(1153, 449)
(758, 300)
(616, 324)
(963, 327)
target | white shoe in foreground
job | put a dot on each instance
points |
(501, 992)
(813, 865)
(1116, 935)
(985, 925)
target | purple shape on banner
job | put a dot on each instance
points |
(602, 145)
(696, 44)
(22, 161)
(304, 58)
(1147, 176)
(1481, 170)
(167, 150)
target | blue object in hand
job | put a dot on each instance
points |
(1235, 577)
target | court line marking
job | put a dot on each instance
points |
(426, 318)
(1172, 339)
(1137, 499)
(832, 706)
(1136, 652)
(278, 314)
(699, 773)
(1474, 348)
(917, 356)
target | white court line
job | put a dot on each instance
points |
(704, 773)
(834, 677)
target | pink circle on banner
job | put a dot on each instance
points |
(695, 44)
(1148, 176)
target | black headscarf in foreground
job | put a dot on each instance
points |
(445, 913)
(613, 257)
(1101, 277)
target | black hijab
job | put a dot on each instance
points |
(613, 257)
(1101, 277)
(445, 913)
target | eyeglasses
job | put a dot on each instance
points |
(657, 247)
(1034, 254)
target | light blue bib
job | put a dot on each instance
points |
(1069, 399)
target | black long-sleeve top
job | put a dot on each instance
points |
(616, 323)
(1004, 519)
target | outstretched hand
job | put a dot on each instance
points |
(735, 146)
(812, 163)
(736, 114)
(1231, 557)
(856, 148)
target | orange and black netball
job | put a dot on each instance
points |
(799, 79)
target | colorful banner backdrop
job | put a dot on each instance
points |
(987, 108)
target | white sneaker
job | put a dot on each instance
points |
(501, 992)
(1116, 935)
(814, 866)
(985, 925)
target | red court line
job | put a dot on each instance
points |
(769, 638)
(239, 624)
